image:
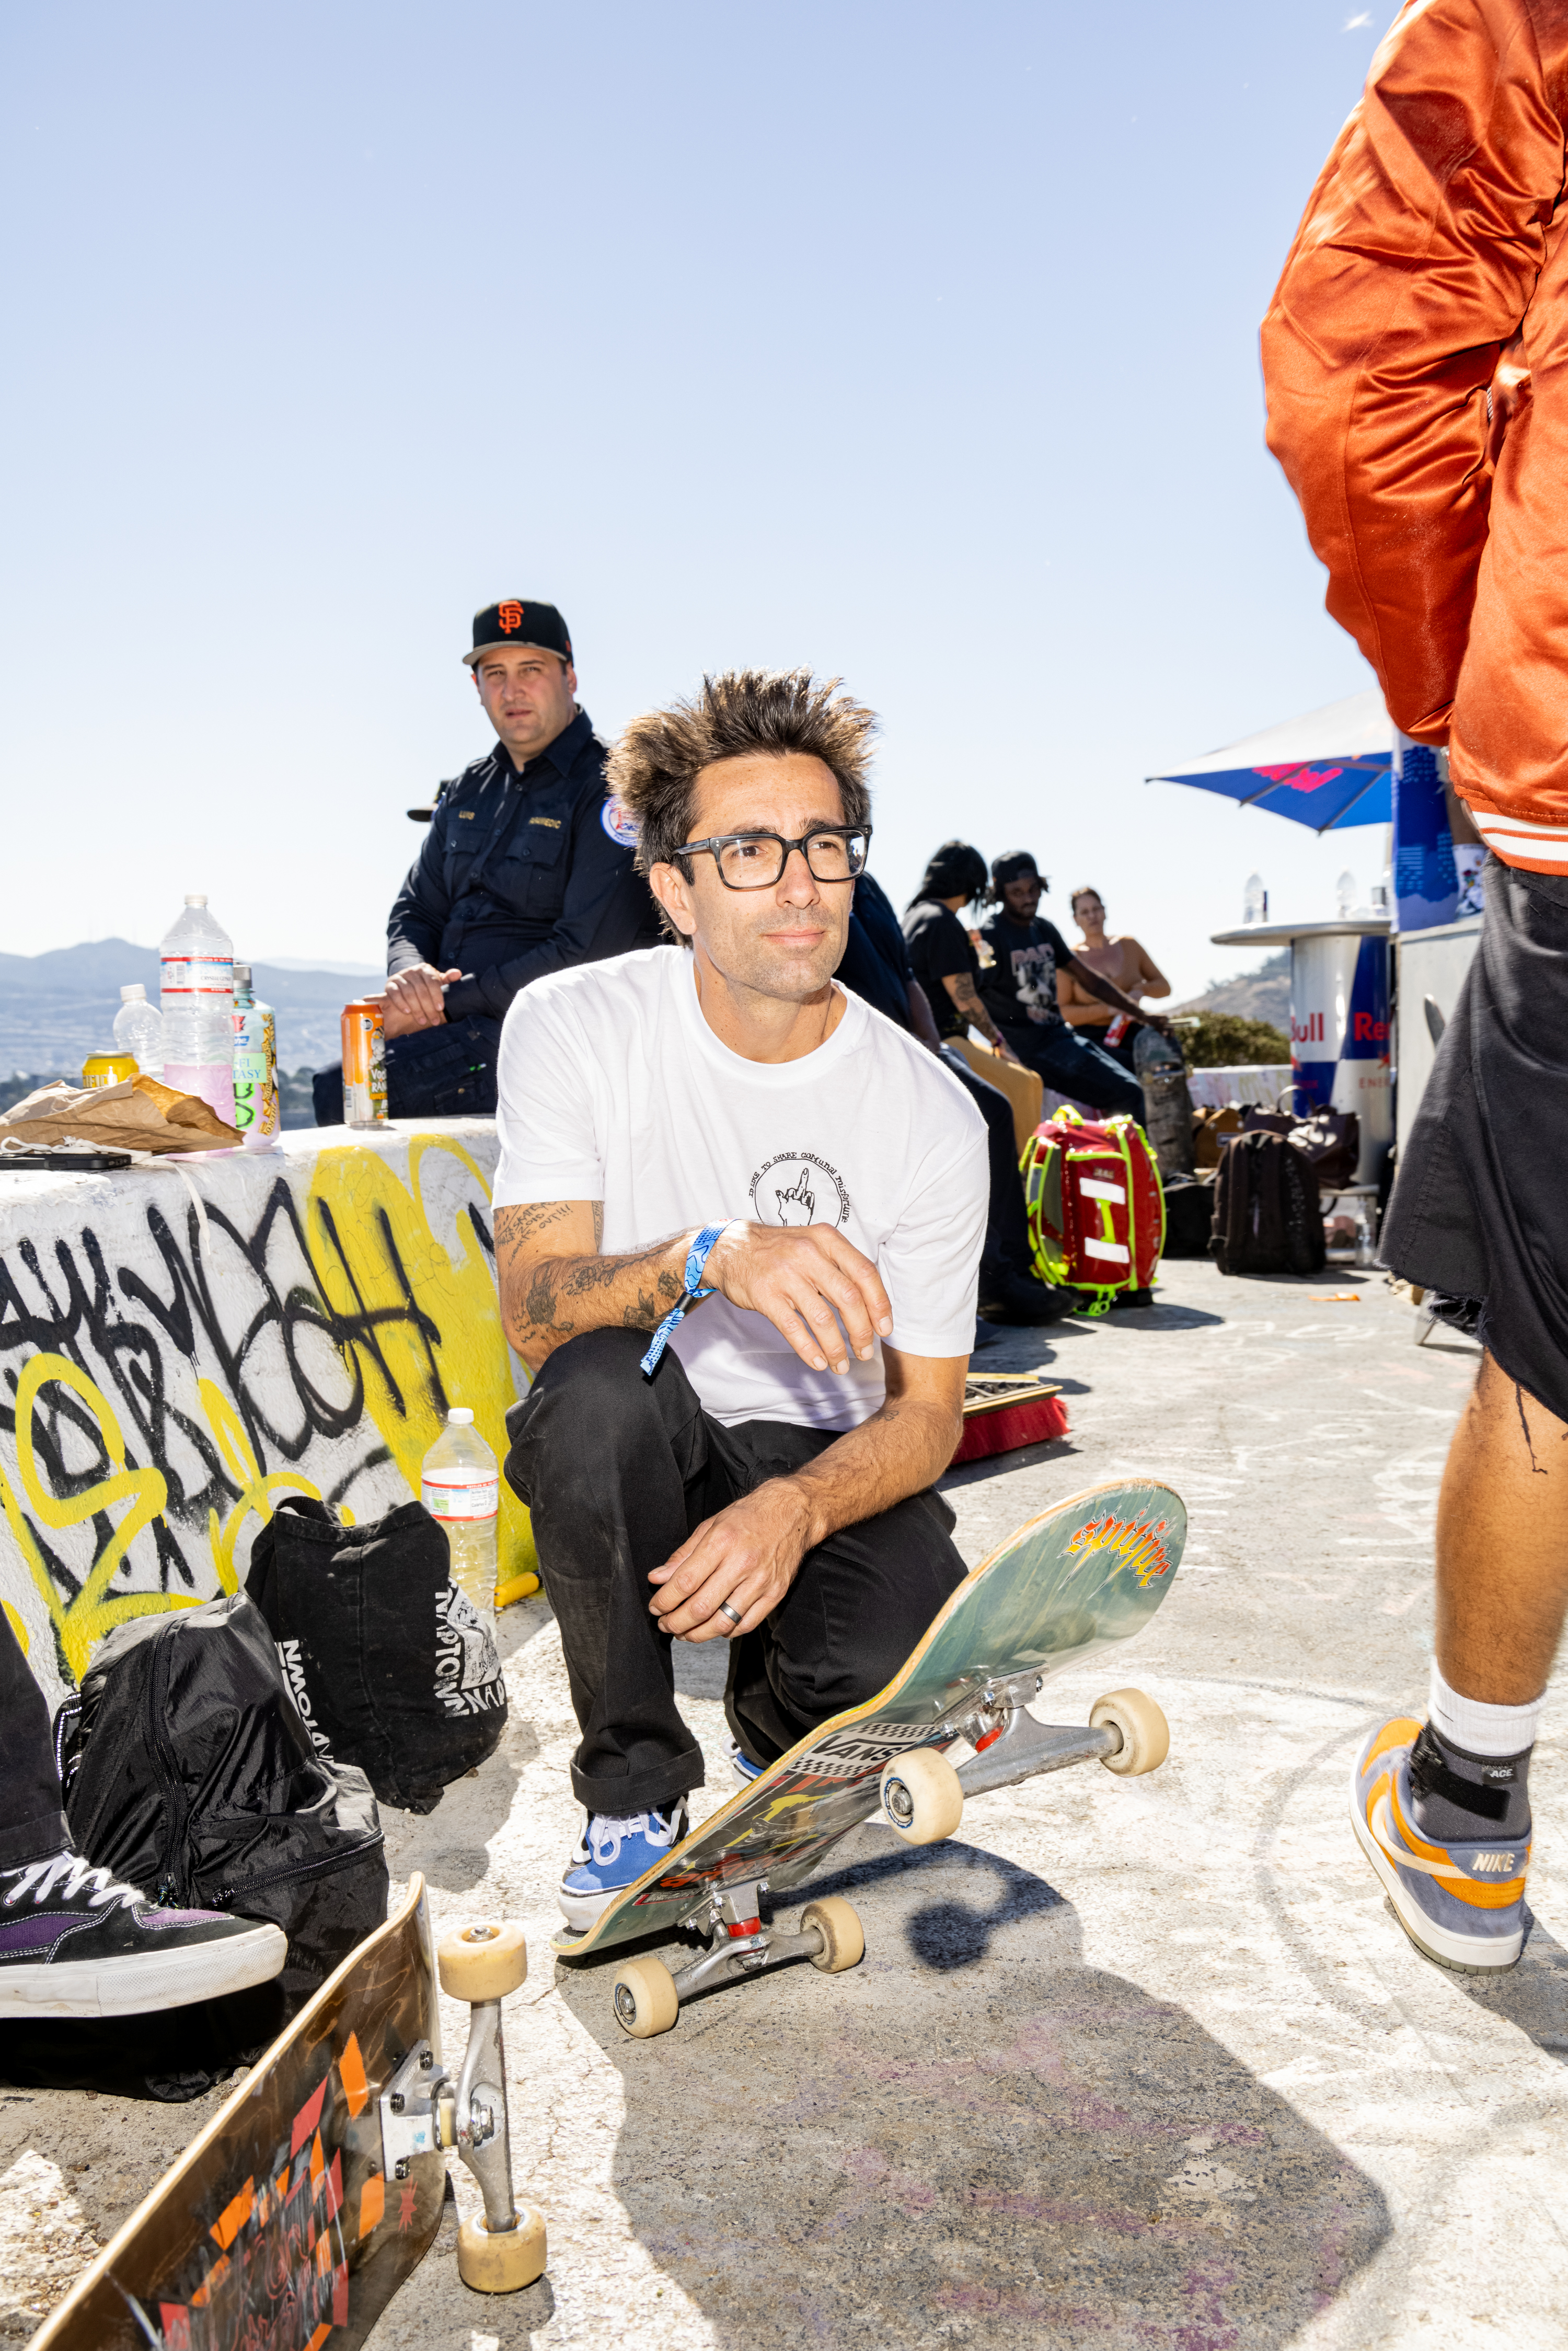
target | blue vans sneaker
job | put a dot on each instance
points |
(741, 1764)
(1461, 1901)
(612, 1852)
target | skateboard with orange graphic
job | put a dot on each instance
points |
(957, 1718)
(316, 2190)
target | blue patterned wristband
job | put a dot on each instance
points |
(696, 1257)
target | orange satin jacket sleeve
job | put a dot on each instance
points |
(1416, 361)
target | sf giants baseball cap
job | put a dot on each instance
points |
(518, 620)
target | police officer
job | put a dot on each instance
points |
(526, 868)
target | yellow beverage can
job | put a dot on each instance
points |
(108, 1069)
(364, 1063)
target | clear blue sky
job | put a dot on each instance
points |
(915, 343)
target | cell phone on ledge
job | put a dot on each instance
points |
(66, 1163)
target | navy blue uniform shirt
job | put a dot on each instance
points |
(522, 872)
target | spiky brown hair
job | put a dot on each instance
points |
(741, 711)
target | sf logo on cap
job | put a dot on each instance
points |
(510, 617)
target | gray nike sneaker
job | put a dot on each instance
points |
(74, 1942)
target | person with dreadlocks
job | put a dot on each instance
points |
(1019, 991)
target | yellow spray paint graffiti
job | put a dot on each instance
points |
(82, 1622)
(312, 1351)
(375, 1250)
(228, 1429)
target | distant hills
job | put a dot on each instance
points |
(56, 1008)
(1261, 995)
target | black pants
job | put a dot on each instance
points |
(445, 1072)
(618, 1469)
(32, 1821)
(1007, 1249)
(1071, 1065)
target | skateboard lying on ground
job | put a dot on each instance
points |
(294, 2217)
(953, 1720)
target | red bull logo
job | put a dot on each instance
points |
(1141, 1547)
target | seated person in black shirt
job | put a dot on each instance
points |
(1020, 992)
(941, 953)
(875, 965)
(527, 869)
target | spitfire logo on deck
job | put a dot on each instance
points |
(1141, 1546)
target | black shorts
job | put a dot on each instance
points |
(1481, 1204)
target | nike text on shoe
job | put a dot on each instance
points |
(73, 1942)
(612, 1852)
(1461, 1901)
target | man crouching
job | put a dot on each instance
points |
(726, 1150)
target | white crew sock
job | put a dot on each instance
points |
(1480, 1728)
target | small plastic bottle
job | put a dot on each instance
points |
(139, 1030)
(255, 1066)
(460, 1486)
(198, 994)
(1255, 900)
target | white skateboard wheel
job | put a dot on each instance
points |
(922, 1796)
(501, 2263)
(481, 1963)
(1145, 1733)
(843, 1938)
(646, 2000)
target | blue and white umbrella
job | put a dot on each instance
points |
(1333, 769)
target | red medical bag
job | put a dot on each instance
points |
(1096, 1208)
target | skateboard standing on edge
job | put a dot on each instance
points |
(316, 2188)
(953, 1720)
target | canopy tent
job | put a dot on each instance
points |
(1333, 767)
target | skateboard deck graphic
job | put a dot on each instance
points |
(278, 2226)
(1080, 1577)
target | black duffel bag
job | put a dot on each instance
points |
(188, 1773)
(388, 1659)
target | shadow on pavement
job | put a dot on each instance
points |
(971, 2128)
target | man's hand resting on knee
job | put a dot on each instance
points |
(806, 1280)
(750, 1554)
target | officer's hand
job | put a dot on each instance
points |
(797, 1275)
(416, 1000)
(748, 1555)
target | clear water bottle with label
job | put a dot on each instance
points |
(198, 998)
(459, 1484)
(255, 1066)
(139, 1030)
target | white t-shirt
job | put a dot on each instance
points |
(613, 1088)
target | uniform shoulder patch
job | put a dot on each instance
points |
(619, 823)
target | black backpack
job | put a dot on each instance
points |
(387, 1658)
(187, 1771)
(1267, 1218)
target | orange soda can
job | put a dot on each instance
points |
(364, 1063)
(108, 1069)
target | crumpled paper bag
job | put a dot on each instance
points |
(139, 1114)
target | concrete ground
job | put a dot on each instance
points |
(1132, 2064)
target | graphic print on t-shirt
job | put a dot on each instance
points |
(1034, 976)
(796, 1187)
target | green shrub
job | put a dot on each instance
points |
(1225, 1040)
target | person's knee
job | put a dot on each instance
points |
(590, 1394)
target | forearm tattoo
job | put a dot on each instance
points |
(554, 1298)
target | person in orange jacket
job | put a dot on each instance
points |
(1414, 356)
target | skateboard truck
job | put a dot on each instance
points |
(648, 1997)
(422, 2109)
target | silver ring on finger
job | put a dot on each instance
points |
(726, 1610)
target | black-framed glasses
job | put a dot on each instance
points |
(756, 860)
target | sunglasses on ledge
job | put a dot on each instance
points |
(756, 860)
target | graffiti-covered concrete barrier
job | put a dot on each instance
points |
(181, 1344)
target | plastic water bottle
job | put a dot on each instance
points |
(198, 994)
(255, 1066)
(461, 1487)
(1255, 900)
(139, 1030)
